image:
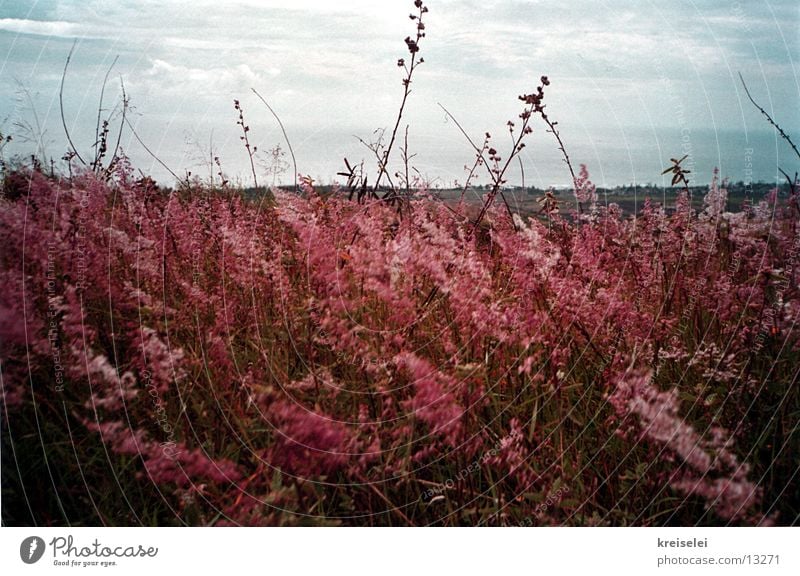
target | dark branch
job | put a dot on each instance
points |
(769, 118)
(99, 114)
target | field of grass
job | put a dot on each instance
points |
(194, 358)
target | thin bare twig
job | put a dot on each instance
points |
(471, 174)
(61, 104)
(496, 178)
(769, 118)
(521, 165)
(156, 158)
(521, 172)
(285, 136)
(554, 132)
(375, 148)
(792, 183)
(36, 133)
(413, 48)
(406, 158)
(121, 126)
(464, 132)
(251, 150)
(100, 113)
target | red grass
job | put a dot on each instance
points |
(314, 359)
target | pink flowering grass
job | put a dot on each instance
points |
(195, 358)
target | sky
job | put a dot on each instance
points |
(632, 83)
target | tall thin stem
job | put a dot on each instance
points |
(285, 136)
(61, 105)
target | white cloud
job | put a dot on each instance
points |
(164, 76)
(41, 27)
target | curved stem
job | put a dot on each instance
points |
(61, 104)
(285, 136)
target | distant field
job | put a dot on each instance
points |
(629, 199)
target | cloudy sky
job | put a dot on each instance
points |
(633, 83)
